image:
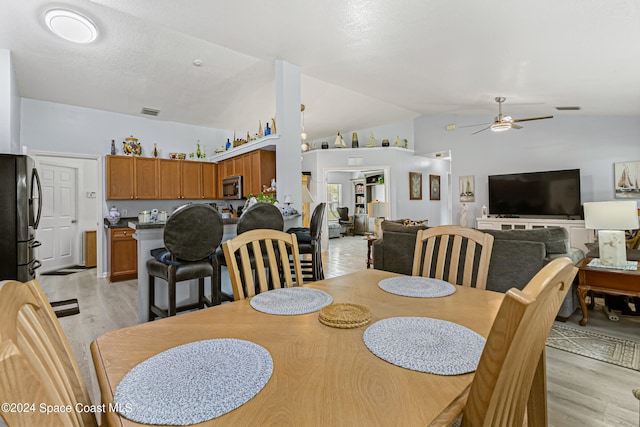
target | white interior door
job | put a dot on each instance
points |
(58, 230)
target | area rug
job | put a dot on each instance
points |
(596, 346)
(66, 270)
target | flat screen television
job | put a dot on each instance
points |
(536, 193)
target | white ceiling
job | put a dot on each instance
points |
(363, 62)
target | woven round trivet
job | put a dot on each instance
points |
(344, 315)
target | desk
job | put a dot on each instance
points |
(322, 376)
(607, 280)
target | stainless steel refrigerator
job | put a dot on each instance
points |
(20, 211)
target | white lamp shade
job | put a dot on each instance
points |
(611, 215)
(378, 209)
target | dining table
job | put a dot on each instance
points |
(322, 375)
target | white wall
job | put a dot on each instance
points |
(592, 144)
(65, 129)
(400, 162)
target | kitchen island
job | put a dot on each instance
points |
(149, 236)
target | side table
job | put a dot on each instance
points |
(370, 238)
(606, 280)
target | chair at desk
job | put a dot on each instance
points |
(514, 355)
(258, 216)
(191, 237)
(459, 255)
(268, 254)
(345, 221)
(37, 365)
(309, 242)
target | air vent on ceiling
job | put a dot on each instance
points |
(567, 108)
(150, 111)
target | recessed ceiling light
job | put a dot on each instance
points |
(71, 25)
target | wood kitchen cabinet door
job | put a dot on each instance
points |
(169, 179)
(248, 184)
(210, 181)
(191, 179)
(120, 180)
(123, 255)
(146, 178)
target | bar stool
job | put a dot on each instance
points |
(309, 242)
(191, 236)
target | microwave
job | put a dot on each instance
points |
(232, 188)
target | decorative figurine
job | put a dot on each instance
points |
(227, 145)
(198, 151)
(267, 130)
(113, 147)
(339, 142)
(155, 150)
(397, 142)
(325, 145)
(385, 142)
(273, 125)
(260, 132)
(354, 140)
(130, 146)
(372, 141)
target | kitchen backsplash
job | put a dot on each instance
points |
(130, 208)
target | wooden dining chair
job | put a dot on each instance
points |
(459, 255)
(37, 366)
(502, 392)
(270, 254)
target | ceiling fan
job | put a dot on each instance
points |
(502, 123)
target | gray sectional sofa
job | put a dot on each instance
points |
(516, 257)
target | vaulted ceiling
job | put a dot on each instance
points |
(363, 62)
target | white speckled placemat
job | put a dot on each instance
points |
(417, 286)
(291, 301)
(425, 345)
(194, 382)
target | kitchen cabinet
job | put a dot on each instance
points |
(210, 181)
(262, 171)
(123, 254)
(191, 180)
(119, 177)
(146, 178)
(131, 178)
(170, 179)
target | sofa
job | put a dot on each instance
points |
(516, 257)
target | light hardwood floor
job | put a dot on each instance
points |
(581, 391)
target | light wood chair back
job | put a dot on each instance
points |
(247, 253)
(36, 362)
(501, 393)
(454, 254)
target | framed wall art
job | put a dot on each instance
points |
(434, 187)
(467, 191)
(415, 186)
(626, 180)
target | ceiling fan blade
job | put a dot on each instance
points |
(514, 126)
(532, 118)
(478, 124)
(481, 130)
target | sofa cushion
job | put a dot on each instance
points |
(555, 239)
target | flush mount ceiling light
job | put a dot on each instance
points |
(71, 26)
(501, 127)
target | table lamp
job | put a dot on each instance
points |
(379, 211)
(611, 219)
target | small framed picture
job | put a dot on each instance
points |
(434, 187)
(415, 186)
(626, 180)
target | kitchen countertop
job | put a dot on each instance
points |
(123, 223)
(132, 222)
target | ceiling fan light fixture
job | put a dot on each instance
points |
(71, 25)
(500, 127)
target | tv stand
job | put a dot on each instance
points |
(578, 235)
